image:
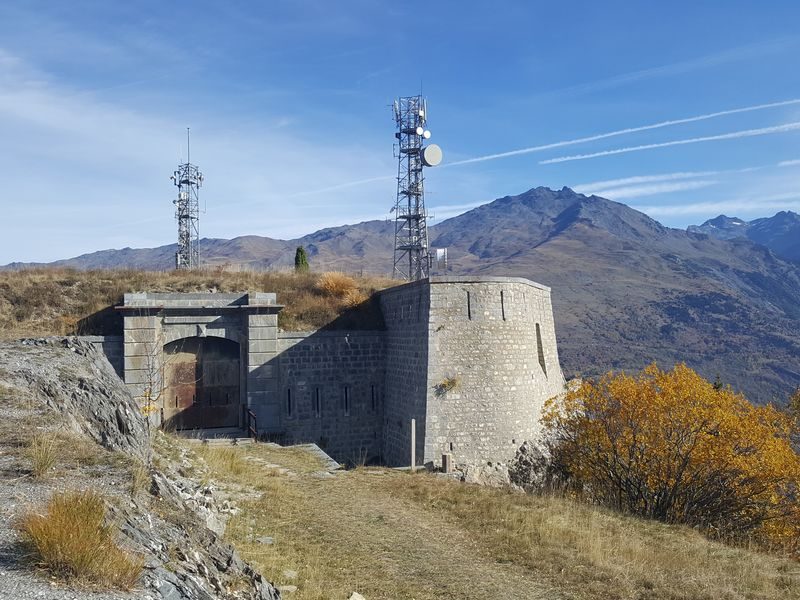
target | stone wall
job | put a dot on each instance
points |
(262, 398)
(332, 391)
(405, 313)
(470, 359)
(492, 364)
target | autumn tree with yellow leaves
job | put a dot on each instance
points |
(669, 445)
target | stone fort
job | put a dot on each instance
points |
(470, 359)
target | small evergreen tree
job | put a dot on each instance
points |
(300, 260)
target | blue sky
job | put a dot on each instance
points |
(289, 108)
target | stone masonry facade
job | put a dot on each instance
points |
(470, 359)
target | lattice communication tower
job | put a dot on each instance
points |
(188, 179)
(412, 260)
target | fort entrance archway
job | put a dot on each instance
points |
(201, 383)
(204, 356)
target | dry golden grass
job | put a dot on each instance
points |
(72, 540)
(334, 283)
(140, 478)
(55, 452)
(36, 302)
(389, 534)
(602, 553)
(41, 452)
(354, 297)
(225, 459)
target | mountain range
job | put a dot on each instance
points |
(780, 233)
(626, 290)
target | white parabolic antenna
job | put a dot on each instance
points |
(431, 155)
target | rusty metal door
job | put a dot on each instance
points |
(201, 379)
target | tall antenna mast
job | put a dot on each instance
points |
(412, 260)
(188, 179)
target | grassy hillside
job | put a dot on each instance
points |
(389, 534)
(53, 301)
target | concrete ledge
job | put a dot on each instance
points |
(299, 335)
(462, 279)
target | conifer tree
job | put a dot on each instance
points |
(300, 260)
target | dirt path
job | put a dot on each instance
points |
(409, 545)
(330, 535)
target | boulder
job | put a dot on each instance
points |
(530, 467)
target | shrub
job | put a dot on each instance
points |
(42, 454)
(72, 541)
(336, 284)
(668, 445)
(354, 298)
(446, 385)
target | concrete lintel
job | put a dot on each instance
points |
(222, 321)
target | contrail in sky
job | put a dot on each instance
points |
(602, 136)
(707, 138)
(591, 138)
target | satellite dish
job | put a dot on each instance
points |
(420, 131)
(431, 155)
(426, 134)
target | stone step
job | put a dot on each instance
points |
(222, 441)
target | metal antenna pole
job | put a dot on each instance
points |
(412, 260)
(188, 179)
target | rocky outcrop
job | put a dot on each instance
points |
(185, 559)
(490, 475)
(65, 384)
(74, 378)
(530, 468)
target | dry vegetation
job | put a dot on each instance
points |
(42, 453)
(73, 541)
(671, 446)
(37, 302)
(388, 534)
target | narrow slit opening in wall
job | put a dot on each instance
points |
(317, 404)
(289, 402)
(373, 398)
(469, 307)
(502, 305)
(346, 400)
(540, 349)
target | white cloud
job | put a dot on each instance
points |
(78, 163)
